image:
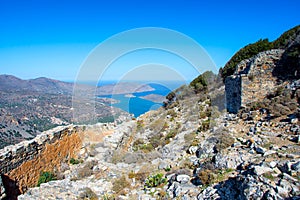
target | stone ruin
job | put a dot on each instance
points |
(253, 80)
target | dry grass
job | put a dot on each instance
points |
(120, 184)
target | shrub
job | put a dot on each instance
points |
(224, 141)
(286, 37)
(88, 194)
(45, 177)
(119, 184)
(204, 126)
(139, 125)
(74, 161)
(189, 137)
(269, 176)
(245, 53)
(200, 83)
(117, 157)
(155, 180)
(146, 148)
(137, 143)
(86, 170)
(207, 177)
(156, 140)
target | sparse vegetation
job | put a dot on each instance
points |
(209, 177)
(259, 46)
(155, 180)
(269, 176)
(88, 194)
(225, 140)
(120, 184)
(201, 83)
(86, 170)
(45, 177)
(245, 53)
(74, 161)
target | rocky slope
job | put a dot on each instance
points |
(194, 149)
(200, 152)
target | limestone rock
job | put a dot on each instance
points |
(182, 178)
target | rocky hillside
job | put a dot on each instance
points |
(29, 107)
(193, 148)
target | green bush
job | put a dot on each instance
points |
(155, 180)
(45, 177)
(262, 45)
(200, 83)
(284, 39)
(245, 53)
(204, 126)
(74, 161)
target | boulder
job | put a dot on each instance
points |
(259, 170)
(260, 150)
(296, 166)
(183, 178)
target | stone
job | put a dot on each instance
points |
(296, 166)
(288, 178)
(2, 189)
(239, 87)
(192, 149)
(269, 152)
(182, 178)
(194, 160)
(236, 144)
(272, 164)
(208, 193)
(174, 190)
(271, 195)
(260, 150)
(259, 170)
(164, 165)
(282, 191)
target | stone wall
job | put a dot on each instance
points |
(21, 164)
(252, 80)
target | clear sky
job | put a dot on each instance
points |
(53, 37)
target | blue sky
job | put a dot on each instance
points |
(52, 38)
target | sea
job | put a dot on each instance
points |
(138, 106)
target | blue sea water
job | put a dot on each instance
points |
(136, 105)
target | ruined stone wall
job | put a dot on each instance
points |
(21, 164)
(252, 80)
(233, 93)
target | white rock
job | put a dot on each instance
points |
(183, 178)
(273, 164)
(259, 170)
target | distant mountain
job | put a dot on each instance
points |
(42, 85)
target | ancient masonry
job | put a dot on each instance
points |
(253, 80)
(21, 164)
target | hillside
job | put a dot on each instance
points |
(29, 107)
(209, 141)
(290, 41)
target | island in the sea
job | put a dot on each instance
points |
(154, 98)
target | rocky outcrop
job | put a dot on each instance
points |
(252, 80)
